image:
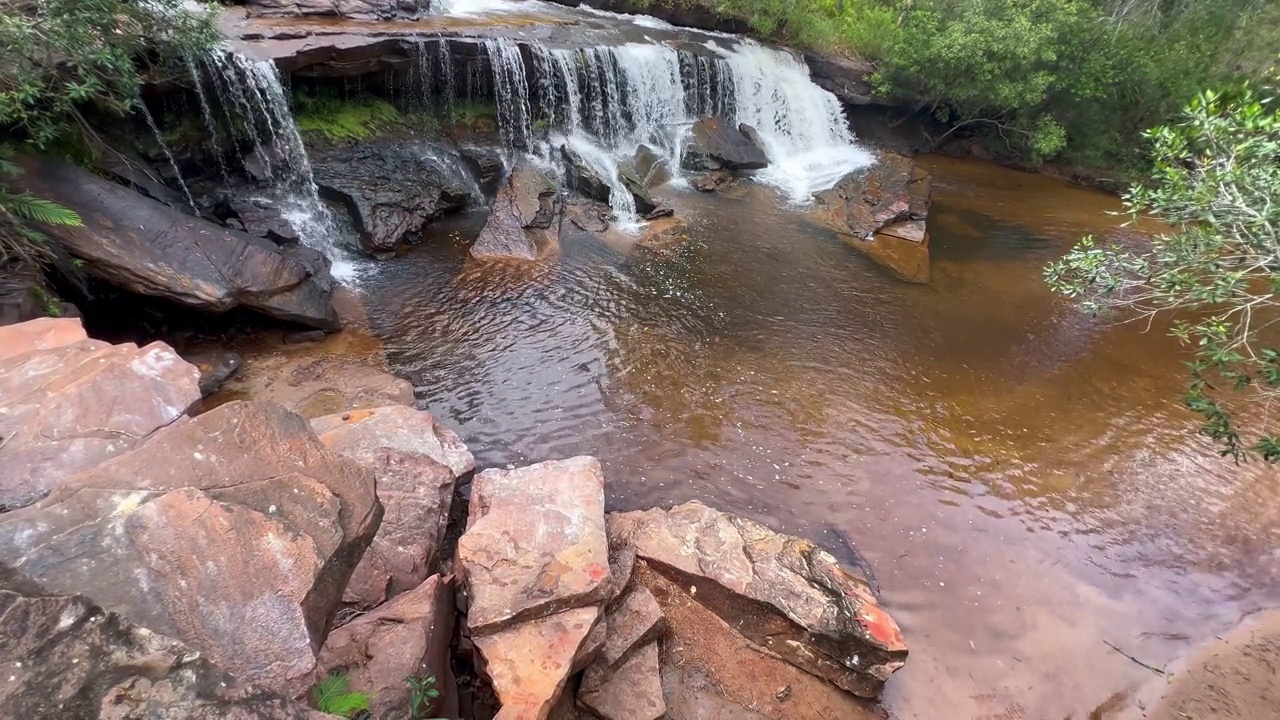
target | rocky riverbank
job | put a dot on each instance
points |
(248, 554)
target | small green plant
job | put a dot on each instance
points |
(422, 693)
(468, 114)
(18, 241)
(333, 695)
(337, 119)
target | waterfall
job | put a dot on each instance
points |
(625, 95)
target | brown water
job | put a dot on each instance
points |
(1021, 477)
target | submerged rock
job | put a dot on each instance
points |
(234, 532)
(711, 180)
(725, 146)
(316, 386)
(391, 189)
(583, 178)
(408, 637)
(148, 248)
(525, 216)
(782, 593)
(71, 402)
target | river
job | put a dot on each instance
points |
(1021, 476)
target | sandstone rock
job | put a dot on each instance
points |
(71, 402)
(711, 180)
(487, 167)
(415, 461)
(392, 189)
(316, 386)
(664, 233)
(650, 168)
(639, 192)
(234, 532)
(63, 657)
(215, 367)
(633, 692)
(535, 543)
(781, 592)
(148, 248)
(726, 146)
(407, 637)
(353, 9)
(753, 136)
(529, 663)
(591, 647)
(634, 622)
(584, 178)
(25, 296)
(846, 79)
(524, 218)
(256, 215)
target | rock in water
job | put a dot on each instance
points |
(534, 561)
(783, 593)
(236, 532)
(753, 136)
(316, 386)
(651, 168)
(524, 218)
(415, 461)
(215, 367)
(391, 188)
(639, 193)
(148, 248)
(407, 637)
(71, 402)
(728, 147)
(64, 657)
(583, 178)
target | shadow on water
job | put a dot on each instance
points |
(1020, 475)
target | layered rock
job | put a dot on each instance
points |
(650, 167)
(148, 248)
(407, 637)
(535, 567)
(845, 78)
(65, 657)
(352, 9)
(781, 592)
(524, 219)
(415, 461)
(71, 402)
(583, 178)
(714, 145)
(316, 386)
(392, 189)
(234, 532)
(882, 211)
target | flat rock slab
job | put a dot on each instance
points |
(415, 461)
(316, 386)
(407, 637)
(782, 592)
(71, 402)
(634, 692)
(633, 622)
(535, 543)
(234, 532)
(524, 219)
(530, 663)
(64, 657)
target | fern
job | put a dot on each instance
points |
(30, 207)
(333, 695)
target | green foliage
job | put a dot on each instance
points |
(469, 114)
(333, 695)
(341, 119)
(1216, 180)
(422, 692)
(18, 240)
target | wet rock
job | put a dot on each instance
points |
(215, 366)
(236, 531)
(639, 193)
(659, 213)
(486, 166)
(64, 657)
(304, 336)
(258, 216)
(525, 216)
(781, 592)
(726, 147)
(710, 181)
(583, 178)
(632, 692)
(650, 167)
(352, 9)
(535, 542)
(530, 663)
(845, 78)
(71, 402)
(588, 216)
(664, 234)
(415, 461)
(145, 247)
(407, 637)
(391, 188)
(316, 386)
(633, 622)
(753, 136)
(884, 209)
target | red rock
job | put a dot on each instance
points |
(524, 219)
(407, 637)
(530, 663)
(399, 427)
(633, 623)
(39, 334)
(633, 692)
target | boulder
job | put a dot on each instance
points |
(530, 663)
(486, 166)
(391, 188)
(71, 402)
(845, 78)
(650, 167)
(350, 9)
(234, 532)
(215, 367)
(632, 692)
(65, 657)
(633, 622)
(781, 592)
(726, 146)
(148, 248)
(259, 216)
(639, 193)
(711, 180)
(524, 218)
(407, 637)
(315, 386)
(583, 178)
(753, 136)
(664, 234)
(415, 461)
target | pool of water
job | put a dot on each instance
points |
(1021, 476)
